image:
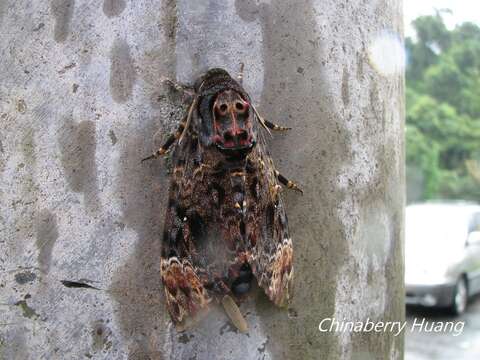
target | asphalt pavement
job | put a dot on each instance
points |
(446, 343)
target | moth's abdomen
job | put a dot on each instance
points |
(243, 283)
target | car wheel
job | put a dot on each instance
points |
(460, 297)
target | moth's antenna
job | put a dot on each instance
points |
(189, 119)
(240, 81)
(190, 113)
(261, 120)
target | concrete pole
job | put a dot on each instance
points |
(81, 100)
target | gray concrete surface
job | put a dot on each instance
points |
(463, 343)
(82, 101)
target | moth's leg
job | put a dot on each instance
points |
(290, 184)
(276, 127)
(170, 140)
(240, 74)
(186, 124)
(267, 124)
(261, 119)
(185, 89)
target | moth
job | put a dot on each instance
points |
(225, 223)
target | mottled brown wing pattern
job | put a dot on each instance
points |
(185, 293)
(271, 248)
(225, 221)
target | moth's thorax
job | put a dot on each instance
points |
(232, 123)
(225, 118)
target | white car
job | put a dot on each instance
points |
(442, 254)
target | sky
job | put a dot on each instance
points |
(462, 10)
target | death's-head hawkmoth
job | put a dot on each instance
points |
(225, 222)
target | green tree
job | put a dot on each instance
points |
(443, 108)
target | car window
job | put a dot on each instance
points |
(474, 223)
(435, 228)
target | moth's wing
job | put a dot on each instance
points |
(268, 240)
(187, 300)
(186, 296)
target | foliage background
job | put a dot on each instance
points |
(443, 111)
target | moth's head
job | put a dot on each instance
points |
(232, 122)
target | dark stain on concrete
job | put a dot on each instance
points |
(62, 11)
(67, 67)
(170, 24)
(3, 159)
(28, 150)
(112, 8)
(289, 29)
(101, 336)
(78, 145)
(183, 339)
(137, 287)
(25, 277)
(46, 235)
(345, 88)
(113, 137)
(377, 106)
(21, 106)
(122, 71)
(27, 311)
(39, 27)
(360, 61)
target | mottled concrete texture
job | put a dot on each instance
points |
(82, 101)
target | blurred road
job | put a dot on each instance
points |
(443, 346)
